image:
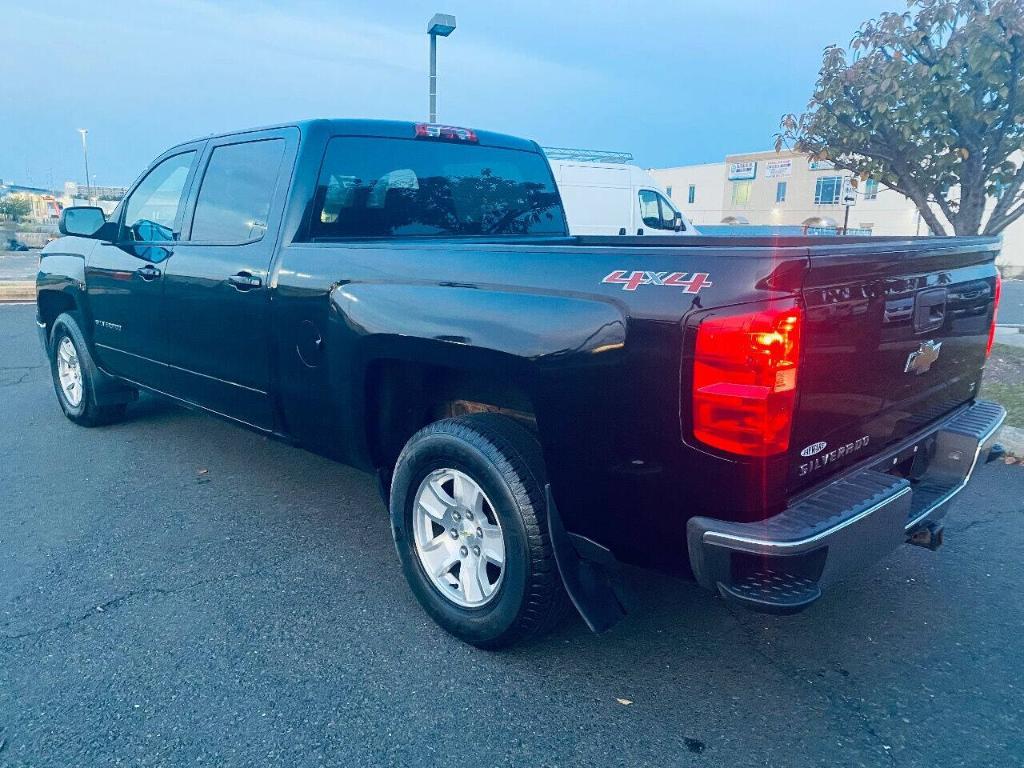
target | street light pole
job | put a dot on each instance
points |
(433, 79)
(85, 154)
(442, 24)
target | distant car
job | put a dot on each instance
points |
(14, 245)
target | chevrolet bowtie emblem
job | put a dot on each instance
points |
(921, 359)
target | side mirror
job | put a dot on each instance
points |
(677, 222)
(81, 220)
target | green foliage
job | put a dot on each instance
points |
(14, 207)
(930, 103)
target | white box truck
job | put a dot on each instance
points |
(615, 199)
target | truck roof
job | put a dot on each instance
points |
(391, 129)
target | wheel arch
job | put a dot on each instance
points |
(51, 303)
(420, 345)
(404, 394)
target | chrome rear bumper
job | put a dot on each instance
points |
(782, 563)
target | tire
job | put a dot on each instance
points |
(81, 409)
(504, 460)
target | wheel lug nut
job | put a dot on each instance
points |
(463, 551)
(480, 532)
(469, 515)
(476, 551)
(453, 533)
(456, 515)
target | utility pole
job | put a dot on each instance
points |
(85, 154)
(442, 24)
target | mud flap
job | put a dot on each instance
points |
(589, 572)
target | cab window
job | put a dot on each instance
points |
(236, 192)
(656, 211)
(649, 209)
(151, 210)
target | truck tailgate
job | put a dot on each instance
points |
(893, 340)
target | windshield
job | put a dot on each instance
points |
(371, 187)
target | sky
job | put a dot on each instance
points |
(674, 82)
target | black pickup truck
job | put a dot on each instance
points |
(762, 414)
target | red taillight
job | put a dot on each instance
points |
(446, 132)
(995, 309)
(744, 380)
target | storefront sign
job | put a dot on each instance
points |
(745, 169)
(777, 169)
(821, 165)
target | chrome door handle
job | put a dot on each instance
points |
(245, 281)
(148, 272)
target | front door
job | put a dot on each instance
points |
(124, 277)
(216, 296)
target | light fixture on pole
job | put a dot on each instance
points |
(442, 24)
(85, 154)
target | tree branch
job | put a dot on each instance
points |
(996, 225)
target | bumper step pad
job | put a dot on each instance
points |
(772, 592)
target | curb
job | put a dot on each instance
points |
(18, 290)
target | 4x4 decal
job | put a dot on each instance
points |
(630, 281)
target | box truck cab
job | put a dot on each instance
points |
(615, 199)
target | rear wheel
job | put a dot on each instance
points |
(468, 506)
(75, 376)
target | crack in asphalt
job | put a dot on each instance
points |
(28, 370)
(834, 698)
(998, 517)
(120, 600)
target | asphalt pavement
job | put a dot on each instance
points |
(175, 590)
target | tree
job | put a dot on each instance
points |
(15, 207)
(931, 104)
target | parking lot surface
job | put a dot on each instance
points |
(177, 591)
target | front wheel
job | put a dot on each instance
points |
(75, 375)
(468, 509)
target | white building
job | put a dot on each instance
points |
(788, 189)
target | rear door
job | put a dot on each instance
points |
(894, 338)
(216, 284)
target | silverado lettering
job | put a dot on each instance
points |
(819, 462)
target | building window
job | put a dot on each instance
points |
(691, 194)
(871, 189)
(741, 192)
(827, 190)
(780, 192)
(668, 191)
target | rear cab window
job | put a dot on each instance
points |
(388, 187)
